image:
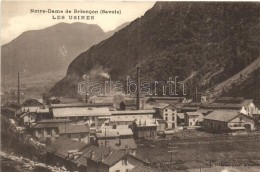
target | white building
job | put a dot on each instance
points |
(168, 113)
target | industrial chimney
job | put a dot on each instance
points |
(138, 89)
(18, 89)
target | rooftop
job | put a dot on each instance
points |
(129, 117)
(193, 113)
(69, 129)
(94, 153)
(119, 144)
(222, 115)
(80, 111)
(81, 104)
(128, 112)
(62, 145)
(161, 121)
(115, 132)
(180, 115)
(142, 168)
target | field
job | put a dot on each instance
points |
(197, 150)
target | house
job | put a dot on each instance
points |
(125, 144)
(168, 113)
(11, 110)
(28, 118)
(228, 120)
(104, 159)
(55, 128)
(125, 119)
(64, 150)
(43, 113)
(193, 118)
(145, 129)
(119, 139)
(95, 117)
(180, 119)
(249, 106)
(161, 124)
(31, 105)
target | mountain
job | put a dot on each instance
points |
(110, 33)
(203, 43)
(49, 49)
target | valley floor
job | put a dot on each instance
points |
(203, 152)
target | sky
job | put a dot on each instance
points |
(16, 16)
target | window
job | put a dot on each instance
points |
(117, 170)
(48, 131)
(166, 110)
(173, 118)
(124, 161)
(166, 118)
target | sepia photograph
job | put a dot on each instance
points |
(130, 86)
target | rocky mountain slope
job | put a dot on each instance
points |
(206, 42)
(50, 49)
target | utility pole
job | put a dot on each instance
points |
(18, 89)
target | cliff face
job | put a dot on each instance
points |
(206, 42)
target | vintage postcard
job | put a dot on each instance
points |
(130, 86)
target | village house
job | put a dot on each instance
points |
(118, 139)
(145, 129)
(31, 118)
(28, 118)
(161, 124)
(64, 150)
(193, 119)
(125, 119)
(104, 159)
(11, 110)
(31, 105)
(168, 113)
(180, 119)
(228, 120)
(95, 117)
(53, 129)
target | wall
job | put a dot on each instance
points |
(121, 166)
(242, 121)
(192, 120)
(169, 114)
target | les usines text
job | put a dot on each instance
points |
(81, 14)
